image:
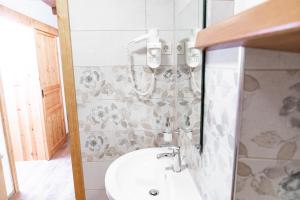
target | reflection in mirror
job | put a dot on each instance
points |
(188, 21)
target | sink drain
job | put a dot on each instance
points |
(153, 192)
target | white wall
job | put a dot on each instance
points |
(32, 8)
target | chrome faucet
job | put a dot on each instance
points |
(177, 167)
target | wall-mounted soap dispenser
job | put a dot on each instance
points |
(193, 58)
(168, 137)
(154, 47)
(187, 129)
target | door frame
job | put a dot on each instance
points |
(69, 86)
(3, 192)
(7, 139)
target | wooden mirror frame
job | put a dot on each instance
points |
(70, 95)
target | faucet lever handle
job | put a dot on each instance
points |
(174, 148)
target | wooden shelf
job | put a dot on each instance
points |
(274, 24)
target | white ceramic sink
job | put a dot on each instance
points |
(133, 175)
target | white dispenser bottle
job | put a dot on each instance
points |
(167, 132)
(187, 130)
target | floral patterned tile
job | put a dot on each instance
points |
(188, 113)
(267, 180)
(109, 145)
(271, 115)
(216, 158)
(196, 137)
(185, 88)
(213, 170)
(125, 114)
(94, 83)
(221, 107)
(191, 157)
(222, 82)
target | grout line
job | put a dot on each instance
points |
(129, 129)
(96, 189)
(146, 20)
(175, 109)
(222, 68)
(200, 16)
(266, 159)
(271, 69)
(158, 131)
(108, 30)
(122, 99)
(109, 66)
(137, 100)
(126, 30)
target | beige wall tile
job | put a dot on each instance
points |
(271, 120)
(267, 180)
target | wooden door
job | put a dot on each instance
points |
(49, 72)
(21, 91)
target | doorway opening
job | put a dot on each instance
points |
(32, 97)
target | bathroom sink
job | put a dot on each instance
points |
(139, 175)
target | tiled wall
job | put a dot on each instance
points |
(213, 171)
(188, 102)
(269, 155)
(113, 120)
(221, 116)
(269, 158)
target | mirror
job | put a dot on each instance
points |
(189, 17)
